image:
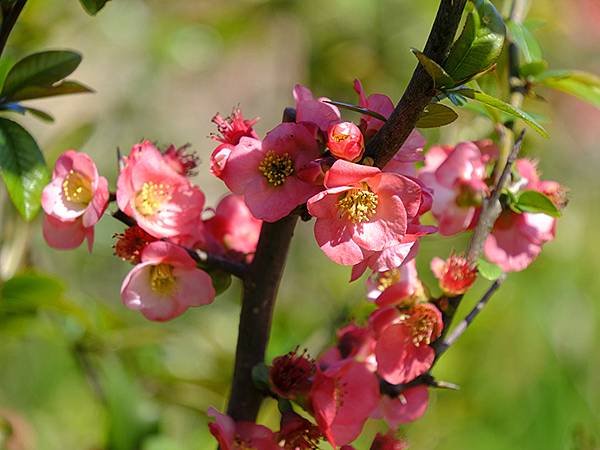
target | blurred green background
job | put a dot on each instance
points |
(79, 371)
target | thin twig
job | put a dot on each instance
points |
(8, 22)
(462, 326)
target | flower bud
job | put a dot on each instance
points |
(345, 141)
(455, 275)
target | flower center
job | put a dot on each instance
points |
(276, 168)
(241, 444)
(358, 205)
(387, 279)
(162, 280)
(149, 200)
(77, 188)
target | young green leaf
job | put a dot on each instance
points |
(436, 115)
(479, 44)
(536, 202)
(532, 69)
(92, 7)
(583, 85)
(38, 113)
(504, 107)
(528, 45)
(62, 88)
(356, 108)
(22, 167)
(40, 70)
(440, 78)
(488, 270)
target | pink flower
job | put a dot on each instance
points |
(403, 279)
(163, 202)
(387, 442)
(131, 243)
(266, 173)
(342, 398)
(379, 103)
(166, 283)
(517, 239)
(403, 351)
(314, 110)
(458, 185)
(233, 229)
(231, 130)
(362, 210)
(297, 433)
(405, 158)
(233, 435)
(183, 161)
(345, 141)
(290, 375)
(455, 275)
(73, 201)
(409, 406)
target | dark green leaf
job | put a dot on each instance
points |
(63, 88)
(436, 72)
(22, 167)
(536, 202)
(436, 115)
(479, 44)
(92, 7)
(221, 280)
(357, 108)
(528, 45)
(504, 107)
(583, 85)
(42, 115)
(40, 69)
(488, 270)
(260, 376)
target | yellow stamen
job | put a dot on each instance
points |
(276, 168)
(149, 200)
(162, 279)
(77, 188)
(358, 205)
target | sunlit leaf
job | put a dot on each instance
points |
(536, 202)
(436, 72)
(583, 85)
(488, 270)
(436, 115)
(527, 43)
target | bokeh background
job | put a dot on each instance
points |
(78, 371)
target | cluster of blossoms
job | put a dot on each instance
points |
(367, 218)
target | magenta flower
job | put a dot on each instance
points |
(362, 210)
(233, 435)
(163, 202)
(409, 406)
(403, 351)
(379, 103)
(266, 173)
(233, 229)
(343, 397)
(166, 283)
(314, 110)
(73, 201)
(345, 141)
(387, 442)
(517, 239)
(458, 185)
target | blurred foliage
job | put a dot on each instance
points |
(79, 371)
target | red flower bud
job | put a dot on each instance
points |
(455, 275)
(345, 141)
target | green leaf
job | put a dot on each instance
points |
(528, 45)
(488, 270)
(357, 108)
(260, 376)
(25, 293)
(40, 69)
(532, 69)
(436, 115)
(479, 44)
(536, 202)
(22, 167)
(221, 280)
(436, 72)
(583, 85)
(92, 7)
(504, 107)
(62, 88)
(42, 115)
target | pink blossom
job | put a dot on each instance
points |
(163, 202)
(131, 243)
(232, 229)
(314, 110)
(403, 351)
(73, 201)
(343, 397)
(290, 375)
(166, 283)
(378, 103)
(457, 183)
(181, 159)
(387, 442)
(362, 210)
(517, 239)
(345, 141)
(242, 435)
(455, 275)
(265, 173)
(231, 130)
(404, 279)
(405, 158)
(297, 433)
(409, 406)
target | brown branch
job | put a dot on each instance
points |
(420, 90)
(9, 20)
